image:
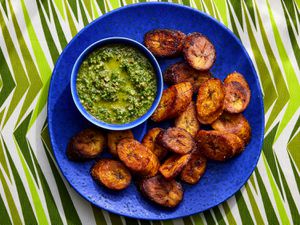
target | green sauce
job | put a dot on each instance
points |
(116, 84)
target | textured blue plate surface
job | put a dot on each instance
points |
(221, 180)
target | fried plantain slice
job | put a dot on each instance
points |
(113, 138)
(174, 165)
(164, 42)
(111, 173)
(149, 141)
(201, 78)
(194, 169)
(198, 51)
(176, 140)
(188, 120)
(210, 101)
(237, 93)
(167, 193)
(218, 145)
(165, 105)
(234, 123)
(87, 144)
(183, 98)
(137, 158)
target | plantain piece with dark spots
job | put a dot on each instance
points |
(188, 120)
(165, 105)
(237, 93)
(164, 42)
(234, 123)
(149, 141)
(174, 165)
(139, 159)
(113, 138)
(176, 140)
(183, 98)
(198, 51)
(167, 193)
(210, 101)
(112, 174)
(217, 145)
(85, 145)
(194, 169)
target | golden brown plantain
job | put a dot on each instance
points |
(218, 145)
(149, 141)
(87, 144)
(194, 169)
(174, 165)
(210, 101)
(183, 98)
(237, 93)
(176, 140)
(111, 173)
(113, 138)
(233, 123)
(164, 42)
(188, 120)
(198, 51)
(165, 105)
(137, 158)
(167, 193)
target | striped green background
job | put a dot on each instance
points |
(32, 35)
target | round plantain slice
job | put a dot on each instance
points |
(183, 98)
(188, 120)
(87, 144)
(218, 145)
(198, 51)
(164, 42)
(112, 174)
(165, 105)
(234, 123)
(174, 165)
(113, 138)
(237, 93)
(210, 101)
(149, 141)
(167, 193)
(176, 140)
(194, 169)
(137, 158)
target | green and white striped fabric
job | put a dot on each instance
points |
(32, 35)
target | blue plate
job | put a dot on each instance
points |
(221, 180)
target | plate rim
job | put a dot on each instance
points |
(257, 83)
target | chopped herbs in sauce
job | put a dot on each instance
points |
(116, 84)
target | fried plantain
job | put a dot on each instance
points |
(183, 98)
(176, 140)
(233, 123)
(198, 51)
(201, 78)
(237, 93)
(112, 174)
(218, 145)
(137, 158)
(174, 165)
(194, 169)
(188, 120)
(113, 138)
(149, 141)
(164, 42)
(165, 105)
(87, 144)
(210, 101)
(167, 193)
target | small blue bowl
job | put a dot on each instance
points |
(116, 40)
